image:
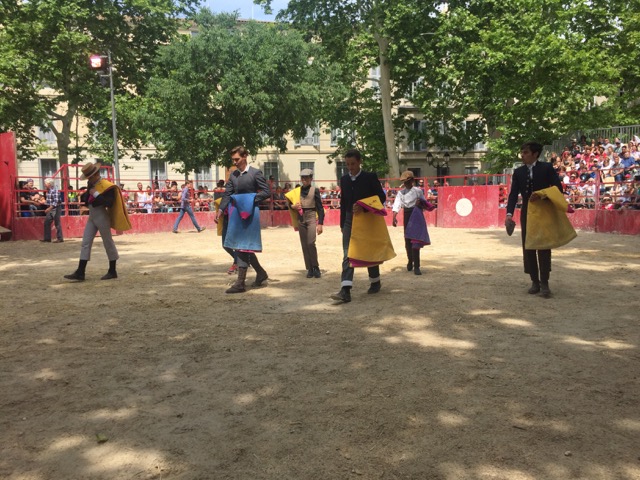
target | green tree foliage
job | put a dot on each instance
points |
(362, 34)
(530, 69)
(44, 52)
(236, 84)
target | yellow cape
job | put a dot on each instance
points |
(370, 242)
(547, 223)
(221, 220)
(118, 211)
(294, 197)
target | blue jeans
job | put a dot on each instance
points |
(189, 210)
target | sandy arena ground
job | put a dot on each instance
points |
(457, 374)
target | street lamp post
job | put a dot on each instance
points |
(116, 163)
(102, 65)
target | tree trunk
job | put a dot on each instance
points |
(63, 134)
(385, 97)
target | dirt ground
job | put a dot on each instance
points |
(457, 374)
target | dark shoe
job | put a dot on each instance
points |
(77, 276)
(235, 289)
(45, 241)
(310, 273)
(344, 295)
(374, 287)
(409, 266)
(261, 277)
(175, 231)
(544, 289)
(417, 271)
(109, 276)
(316, 272)
(202, 229)
(239, 285)
(535, 288)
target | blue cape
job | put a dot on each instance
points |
(243, 230)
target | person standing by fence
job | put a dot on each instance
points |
(53, 211)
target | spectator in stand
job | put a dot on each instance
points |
(627, 161)
(158, 202)
(279, 200)
(53, 211)
(147, 206)
(106, 211)
(185, 207)
(527, 179)
(617, 169)
(204, 199)
(173, 198)
(618, 146)
(588, 193)
(27, 205)
(432, 193)
(72, 199)
(39, 200)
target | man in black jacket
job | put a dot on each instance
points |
(534, 175)
(245, 179)
(355, 186)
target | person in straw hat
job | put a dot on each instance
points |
(408, 199)
(106, 211)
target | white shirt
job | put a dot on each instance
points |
(407, 198)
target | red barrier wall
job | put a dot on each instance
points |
(603, 221)
(468, 207)
(8, 173)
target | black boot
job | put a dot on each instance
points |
(239, 285)
(112, 271)
(310, 273)
(261, 274)
(78, 275)
(416, 261)
(374, 287)
(535, 287)
(316, 272)
(344, 295)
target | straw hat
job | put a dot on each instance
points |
(406, 175)
(89, 170)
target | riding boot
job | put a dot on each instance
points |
(238, 286)
(261, 273)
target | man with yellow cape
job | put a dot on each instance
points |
(106, 211)
(365, 237)
(542, 218)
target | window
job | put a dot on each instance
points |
(204, 178)
(336, 135)
(341, 170)
(158, 171)
(418, 145)
(270, 169)
(417, 171)
(46, 136)
(311, 138)
(308, 165)
(48, 167)
(470, 173)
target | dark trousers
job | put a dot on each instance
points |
(249, 258)
(537, 263)
(53, 216)
(413, 254)
(347, 269)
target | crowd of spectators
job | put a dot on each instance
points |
(595, 173)
(601, 173)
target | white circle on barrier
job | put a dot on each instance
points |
(464, 207)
